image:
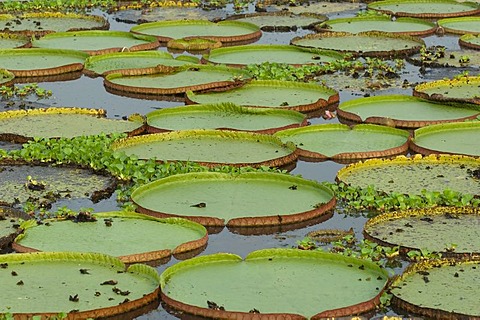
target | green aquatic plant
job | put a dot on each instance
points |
(22, 91)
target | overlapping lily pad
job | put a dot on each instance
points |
(463, 89)
(210, 147)
(403, 111)
(471, 41)
(227, 32)
(97, 41)
(224, 116)
(10, 220)
(447, 230)
(273, 283)
(240, 56)
(426, 8)
(453, 138)
(405, 26)
(11, 41)
(113, 233)
(35, 62)
(412, 175)
(195, 78)
(22, 125)
(137, 62)
(461, 25)
(6, 77)
(193, 45)
(341, 142)
(439, 289)
(368, 43)
(84, 285)
(246, 200)
(303, 97)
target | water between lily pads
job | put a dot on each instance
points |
(90, 93)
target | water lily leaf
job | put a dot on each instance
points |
(10, 220)
(85, 285)
(312, 7)
(471, 41)
(193, 44)
(426, 8)
(461, 25)
(6, 77)
(464, 89)
(162, 13)
(11, 41)
(112, 233)
(451, 58)
(273, 282)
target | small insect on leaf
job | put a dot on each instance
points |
(214, 306)
(73, 298)
(109, 282)
(293, 187)
(20, 283)
(199, 205)
(84, 271)
(254, 310)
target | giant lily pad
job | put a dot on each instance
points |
(303, 97)
(426, 8)
(453, 138)
(402, 111)
(11, 41)
(226, 116)
(247, 200)
(41, 62)
(461, 25)
(439, 289)
(6, 77)
(210, 147)
(132, 237)
(10, 220)
(23, 125)
(239, 56)
(412, 175)
(447, 230)
(464, 89)
(368, 43)
(97, 41)
(470, 41)
(223, 31)
(84, 285)
(341, 142)
(273, 283)
(185, 78)
(137, 62)
(406, 26)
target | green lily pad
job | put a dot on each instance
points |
(471, 41)
(426, 8)
(22, 125)
(341, 142)
(195, 78)
(406, 26)
(223, 31)
(136, 62)
(303, 97)
(447, 230)
(84, 285)
(402, 111)
(10, 220)
(245, 200)
(225, 116)
(438, 289)
(461, 25)
(210, 147)
(33, 62)
(111, 233)
(97, 41)
(464, 89)
(194, 45)
(273, 282)
(6, 77)
(240, 56)
(367, 44)
(453, 138)
(311, 7)
(11, 41)
(412, 175)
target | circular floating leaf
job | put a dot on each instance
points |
(185, 78)
(210, 147)
(303, 97)
(223, 31)
(41, 62)
(453, 138)
(426, 8)
(470, 41)
(413, 175)
(226, 116)
(273, 282)
(10, 220)
(402, 111)
(240, 56)
(85, 285)
(464, 89)
(131, 237)
(245, 200)
(439, 289)
(461, 25)
(134, 63)
(11, 41)
(447, 230)
(341, 142)
(97, 42)
(405, 26)
(22, 125)
(367, 44)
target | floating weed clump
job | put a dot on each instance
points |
(23, 91)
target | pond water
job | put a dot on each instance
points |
(88, 92)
